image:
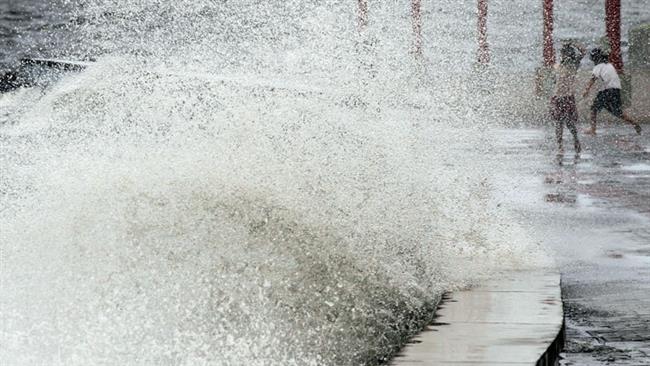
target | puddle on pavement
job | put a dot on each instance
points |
(639, 167)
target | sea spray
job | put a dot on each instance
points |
(251, 202)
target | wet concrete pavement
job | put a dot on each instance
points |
(592, 214)
(510, 320)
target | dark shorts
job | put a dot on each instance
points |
(609, 99)
(564, 109)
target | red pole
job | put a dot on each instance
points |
(483, 47)
(549, 51)
(416, 8)
(613, 20)
(362, 13)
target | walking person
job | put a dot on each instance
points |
(563, 102)
(609, 96)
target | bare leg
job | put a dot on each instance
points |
(576, 143)
(626, 117)
(592, 130)
(559, 131)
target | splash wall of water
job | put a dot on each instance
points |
(241, 183)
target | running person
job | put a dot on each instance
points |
(609, 96)
(563, 102)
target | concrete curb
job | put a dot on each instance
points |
(515, 320)
(552, 355)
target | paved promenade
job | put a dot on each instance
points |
(515, 319)
(593, 215)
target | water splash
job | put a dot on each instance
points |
(240, 184)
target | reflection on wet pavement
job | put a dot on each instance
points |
(593, 214)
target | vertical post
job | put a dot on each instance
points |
(483, 47)
(549, 51)
(362, 13)
(613, 20)
(416, 12)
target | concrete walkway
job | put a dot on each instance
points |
(593, 214)
(515, 320)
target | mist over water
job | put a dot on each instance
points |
(237, 183)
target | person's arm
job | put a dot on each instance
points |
(589, 86)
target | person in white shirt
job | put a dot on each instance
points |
(609, 96)
(563, 102)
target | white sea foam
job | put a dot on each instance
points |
(227, 187)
